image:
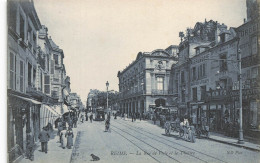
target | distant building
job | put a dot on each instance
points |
(144, 83)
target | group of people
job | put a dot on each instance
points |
(134, 116)
(64, 125)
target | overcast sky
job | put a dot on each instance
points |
(101, 37)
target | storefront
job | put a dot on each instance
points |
(224, 108)
(23, 117)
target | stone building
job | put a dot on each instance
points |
(23, 108)
(248, 34)
(221, 72)
(144, 83)
(30, 100)
(196, 41)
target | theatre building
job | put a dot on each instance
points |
(144, 83)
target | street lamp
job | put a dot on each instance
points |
(241, 139)
(107, 84)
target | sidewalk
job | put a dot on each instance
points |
(55, 152)
(233, 141)
(226, 140)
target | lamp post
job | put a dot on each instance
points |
(240, 139)
(107, 84)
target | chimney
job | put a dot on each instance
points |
(216, 36)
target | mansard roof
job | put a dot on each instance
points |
(160, 52)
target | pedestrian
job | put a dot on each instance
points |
(154, 119)
(44, 138)
(86, 115)
(64, 124)
(60, 128)
(62, 139)
(107, 125)
(82, 118)
(69, 134)
(75, 120)
(29, 145)
(91, 117)
(70, 122)
(140, 116)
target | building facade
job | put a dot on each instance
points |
(30, 91)
(144, 83)
(206, 77)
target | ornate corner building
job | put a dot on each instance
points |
(145, 82)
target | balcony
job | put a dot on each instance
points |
(31, 90)
(159, 92)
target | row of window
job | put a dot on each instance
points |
(17, 76)
(159, 85)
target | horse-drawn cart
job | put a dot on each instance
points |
(185, 131)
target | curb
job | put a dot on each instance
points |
(237, 145)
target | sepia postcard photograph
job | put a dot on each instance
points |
(132, 81)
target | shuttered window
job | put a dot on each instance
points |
(47, 84)
(12, 71)
(52, 66)
(29, 74)
(21, 76)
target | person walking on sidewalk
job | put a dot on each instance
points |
(70, 122)
(29, 145)
(60, 128)
(82, 118)
(44, 138)
(62, 139)
(75, 121)
(69, 134)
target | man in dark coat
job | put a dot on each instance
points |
(75, 121)
(44, 138)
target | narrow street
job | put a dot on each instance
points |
(141, 141)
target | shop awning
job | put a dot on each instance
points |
(28, 99)
(51, 109)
